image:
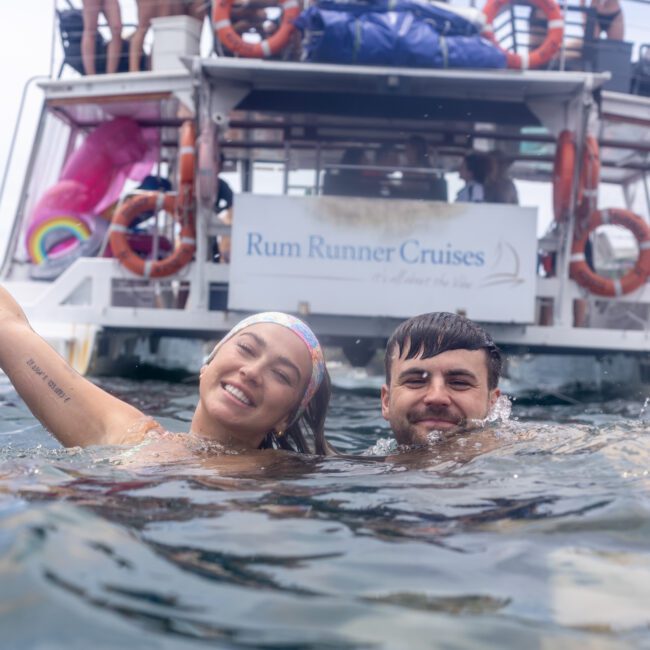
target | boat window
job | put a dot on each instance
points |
(267, 178)
(301, 182)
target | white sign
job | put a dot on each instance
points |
(379, 257)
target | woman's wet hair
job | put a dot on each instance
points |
(428, 335)
(311, 424)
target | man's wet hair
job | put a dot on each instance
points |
(428, 335)
(478, 164)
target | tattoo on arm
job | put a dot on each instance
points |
(50, 383)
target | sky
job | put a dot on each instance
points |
(25, 26)
(26, 44)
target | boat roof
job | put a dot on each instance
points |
(151, 98)
(510, 85)
(270, 103)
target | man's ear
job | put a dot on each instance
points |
(385, 395)
(204, 367)
(494, 396)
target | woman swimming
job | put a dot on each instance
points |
(265, 385)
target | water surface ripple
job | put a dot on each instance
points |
(533, 536)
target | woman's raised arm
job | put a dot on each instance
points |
(69, 406)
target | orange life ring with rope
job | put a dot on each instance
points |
(582, 273)
(266, 48)
(549, 47)
(119, 231)
(563, 168)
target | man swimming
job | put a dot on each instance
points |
(442, 374)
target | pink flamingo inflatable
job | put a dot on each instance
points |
(91, 180)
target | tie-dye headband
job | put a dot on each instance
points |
(305, 334)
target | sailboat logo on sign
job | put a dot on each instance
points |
(506, 268)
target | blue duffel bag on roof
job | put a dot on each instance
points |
(404, 33)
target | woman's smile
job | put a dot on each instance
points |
(239, 394)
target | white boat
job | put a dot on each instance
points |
(352, 266)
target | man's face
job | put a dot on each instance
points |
(442, 393)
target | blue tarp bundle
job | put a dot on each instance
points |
(394, 32)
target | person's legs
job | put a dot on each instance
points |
(146, 11)
(611, 23)
(616, 29)
(197, 9)
(111, 9)
(171, 8)
(90, 16)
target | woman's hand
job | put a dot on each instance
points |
(73, 409)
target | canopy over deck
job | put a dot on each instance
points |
(335, 103)
(151, 98)
(476, 85)
(267, 104)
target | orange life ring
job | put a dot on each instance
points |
(563, 168)
(581, 272)
(269, 47)
(119, 231)
(549, 47)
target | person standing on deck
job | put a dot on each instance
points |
(91, 11)
(419, 184)
(474, 170)
(499, 187)
(223, 212)
(148, 9)
(609, 19)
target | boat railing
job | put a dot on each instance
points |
(519, 28)
(70, 35)
(522, 28)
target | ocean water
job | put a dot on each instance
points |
(534, 534)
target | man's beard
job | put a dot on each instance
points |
(436, 413)
(458, 423)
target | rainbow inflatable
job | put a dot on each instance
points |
(55, 236)
(91, 180)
